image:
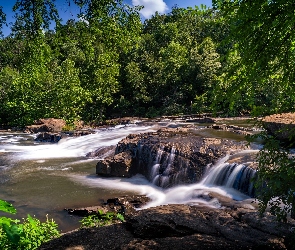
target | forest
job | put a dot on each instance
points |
(107, 63)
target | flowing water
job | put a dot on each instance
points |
(44, 178)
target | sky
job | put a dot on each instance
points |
(67, 12)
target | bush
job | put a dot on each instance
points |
(28, 235)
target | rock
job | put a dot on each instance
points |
(233, 128)
(282, 126)
(103, 152)
(183, 227)
(48, 137)
(124, 205)
(201, 120)
(46, 125)
(181, 157)
(118, 165)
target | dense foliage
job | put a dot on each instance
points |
(105, 62)
(261, 73)
(28, 235)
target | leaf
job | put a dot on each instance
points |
(120, 217)
(7, 207)
(12, 232)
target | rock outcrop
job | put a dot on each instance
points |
(167, 157)
(182, 227)
(282, 126)
(50, 130)
(48, 137)
(46, 125)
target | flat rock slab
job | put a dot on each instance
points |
(182, 227)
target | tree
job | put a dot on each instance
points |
(175, 59)
(34, 16)
(262, 60)
(2, 20)
(262, 36)
(107, 30)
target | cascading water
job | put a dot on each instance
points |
(41, 178)
(236, 176)
(162, 168)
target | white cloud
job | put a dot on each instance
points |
(151, 6)
(82, 19)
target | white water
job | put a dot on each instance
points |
(185, 194)
(53, 176)
(72, 146)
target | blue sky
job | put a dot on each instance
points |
(151, 6)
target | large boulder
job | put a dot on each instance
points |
(167, 157)
(118, 165)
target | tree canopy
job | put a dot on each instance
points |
(262, 58)
(260, 72)
(106, 62)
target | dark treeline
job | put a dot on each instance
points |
(107, 63)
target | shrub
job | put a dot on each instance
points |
(28, 235)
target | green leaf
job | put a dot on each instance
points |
(12, 232)
(7, 207)
(120, 217)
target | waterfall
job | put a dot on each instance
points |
(162, 168)
(169, 169)
(236, 176)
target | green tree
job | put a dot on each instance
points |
(107, 30)
(40, 86)
(262, 65)
(263, 38)
(176, 59)
(34, 16)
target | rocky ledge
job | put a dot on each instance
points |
(182, 227)
(167, 157)
(52, 130)
(282, 126)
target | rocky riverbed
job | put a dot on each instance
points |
(233, 225)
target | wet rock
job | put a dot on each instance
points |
(201, 120)
(167, 157)
(233, 128)
(125, 205)
(102, 152)
(282, 126)
(118, 165)
(48, 137)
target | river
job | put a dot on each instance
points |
(44, 178)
